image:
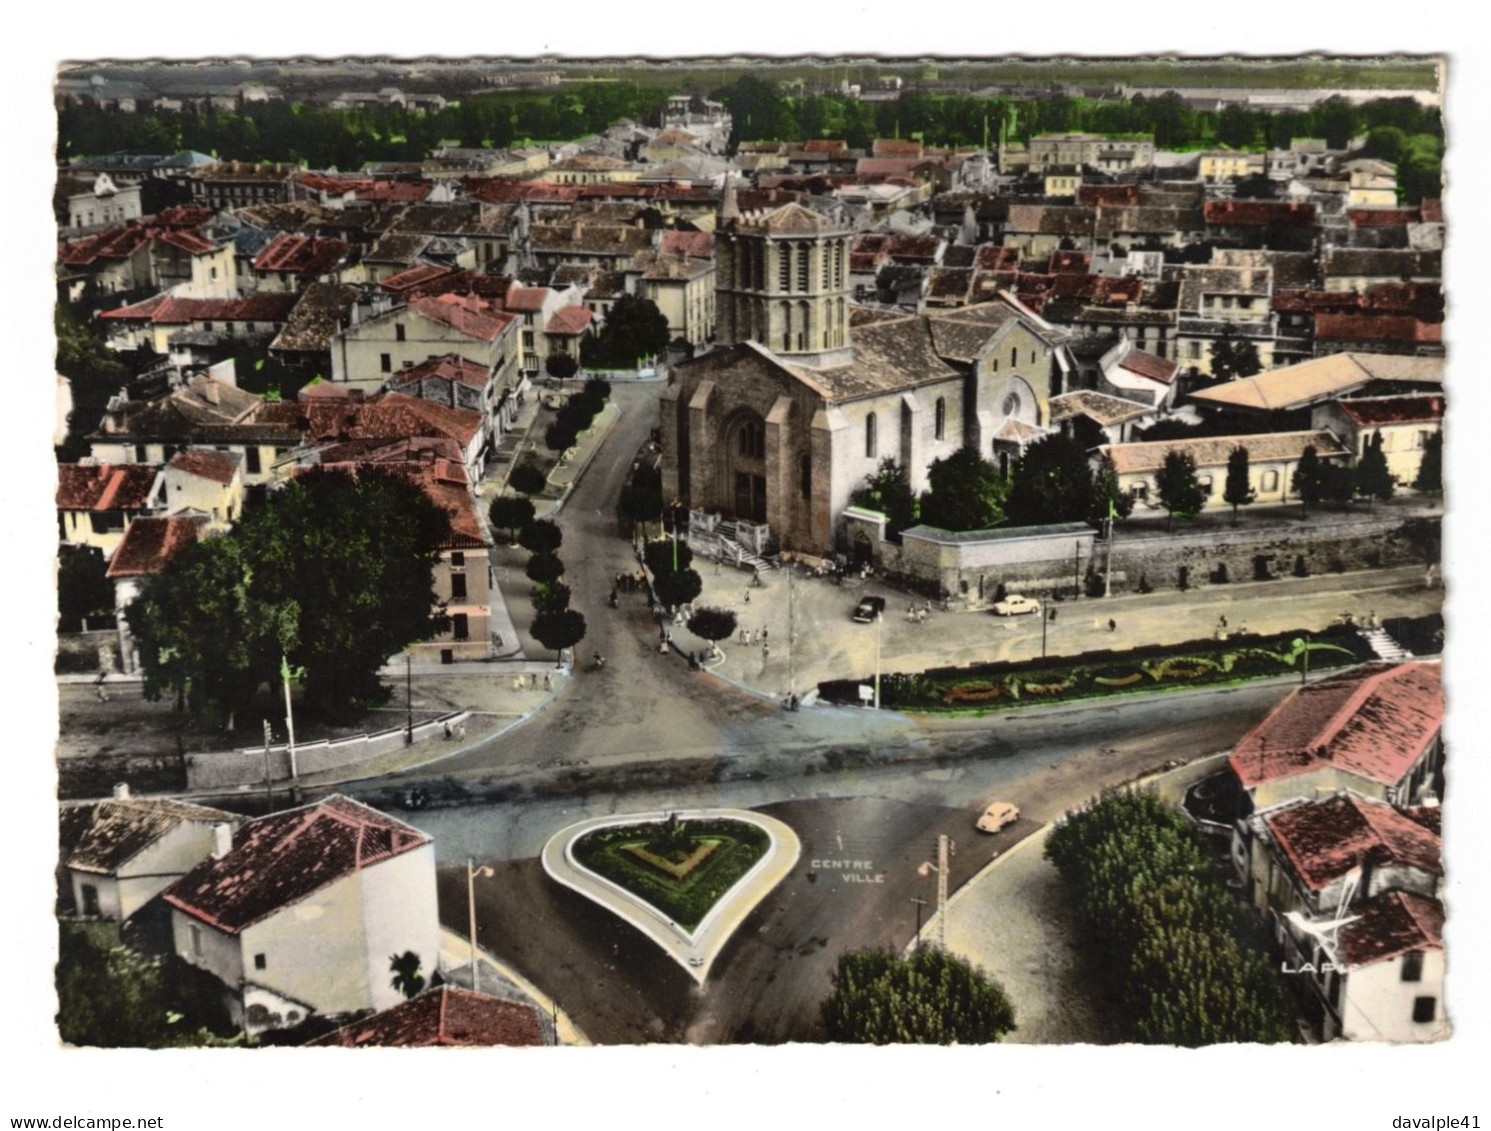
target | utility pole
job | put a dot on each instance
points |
(1077, 571)
(917, 938)
(944, 851)
(1045, 619)
(791, 635)
(268, 776)
(472, 871)
(408, 699)
(289, 724)
(1108, 573)
(879, 619)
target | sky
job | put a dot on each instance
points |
(1358, 1087)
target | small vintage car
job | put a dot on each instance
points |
(868, 609)
(997, 816)
(1015, 605)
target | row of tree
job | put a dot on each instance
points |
(1173, 958)
(577, 415)
(1052, 482)
(555, 625)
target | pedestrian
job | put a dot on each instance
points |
(1242, 629)
(1223, 619)
(1112, 625)
(1053, 616)
(448, 731)
(744, 637)
(498, 638)
(747, 596)
(518, 682)
(765, 652)
(548, 683)
(103, 696)
(461, 732)
(533, 681)
(763, 635)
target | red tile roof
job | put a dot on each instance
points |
(1394, 923)
(992, 258)
(447, 368)
(1382, 217)
(189, 242)
(697, 245)
(896, 147)
(303, 255)
(1270, 212)
(1112, 195)
(468, 314)
(1375, 722)
(1146, 364)
(150, 543)
(827, 145)
(393, 416)
(1377, 328)
(181, 216)
(424, 279)
(168, 310)
(569, 320)
(279, 860)
(526, 300)
(220, 467)
(447, 1016)
(394, 192)
(1373, 411)
(104, 487)
(885, 166)
(1324, 840)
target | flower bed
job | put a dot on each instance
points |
(706, 860)
(997, 686)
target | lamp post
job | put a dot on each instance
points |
(917, 938)
(408, 699)
(472, 871)
(879, 618)
(945, 849)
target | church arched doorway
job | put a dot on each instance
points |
(744, 445)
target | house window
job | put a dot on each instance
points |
(251, 459)
(1413, 966)
(214, 272)
(1270, 480)
(398, 332)
(90, 900)
(1423, 1009)
(385, 362)
(460, 625)
(1140, 491)
(207, 326)
(784, 267)
(141, 456)
(457, 560)
(458, 586)
(752, 442)
(1205, 484)
(261, 962)
(1195, 350)
(1015, 355)
(871, 444)
(940, 425)
(802, 268)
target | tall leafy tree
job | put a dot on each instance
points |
(1176, 485)
(888, 491)
(634, 329)
(558, 631)
(1109, 500)
(1233, 356)
(928, 998)
(83, 587)
(713, 624)
(1430, 476)
(1239, 491)
(1373, 479)
(1051, 482)
(967, 493)
(541, 536)
(510, 513)
(407, 978)
(1306, 480)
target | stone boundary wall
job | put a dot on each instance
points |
(972, 570)
(227, 769)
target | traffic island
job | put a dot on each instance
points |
(687, 880)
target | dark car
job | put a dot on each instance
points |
(868, 609)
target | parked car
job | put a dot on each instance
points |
(1015, 605)
(868, 609)
(997, 816)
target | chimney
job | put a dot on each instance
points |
(121, 791)
(222, 840)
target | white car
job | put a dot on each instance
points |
(1015, 605)
(997, 816)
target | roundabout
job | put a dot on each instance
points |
(686, 880)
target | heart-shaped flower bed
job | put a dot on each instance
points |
(686, 880)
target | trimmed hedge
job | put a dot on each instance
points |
(688, 900)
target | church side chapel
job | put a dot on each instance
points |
(806, 392)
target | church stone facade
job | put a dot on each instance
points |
(782, 425)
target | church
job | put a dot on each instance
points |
(807, 392)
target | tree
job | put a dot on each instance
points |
(542, 536)
(551, 597)
(1176, 485)
(1239, 490)
(510, 513)
(406, 976)
(558, 631)
(597, 389)
(641, 500)
(528, 478)
(561, 365)
(1338, 484)
(888, 491)
(83, 587)
(1430, 476)
(929, 998)
(1373, 479)
(560, 436)
(713, 624)
(1305, 482)
(544, 568)
(1109, 500)
(1233, 356)
(1051, 482)
(634, 329)
(967, 493)
(677, 587)
(667, 554)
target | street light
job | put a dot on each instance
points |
(945, 849)
(472, 871)
(879, 619)
(408, 699)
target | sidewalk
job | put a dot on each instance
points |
(501, 981)
(1014, 919)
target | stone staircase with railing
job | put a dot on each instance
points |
(743, 545)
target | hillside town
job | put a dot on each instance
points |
(414, 508)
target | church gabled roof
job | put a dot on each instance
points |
(789, 219)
